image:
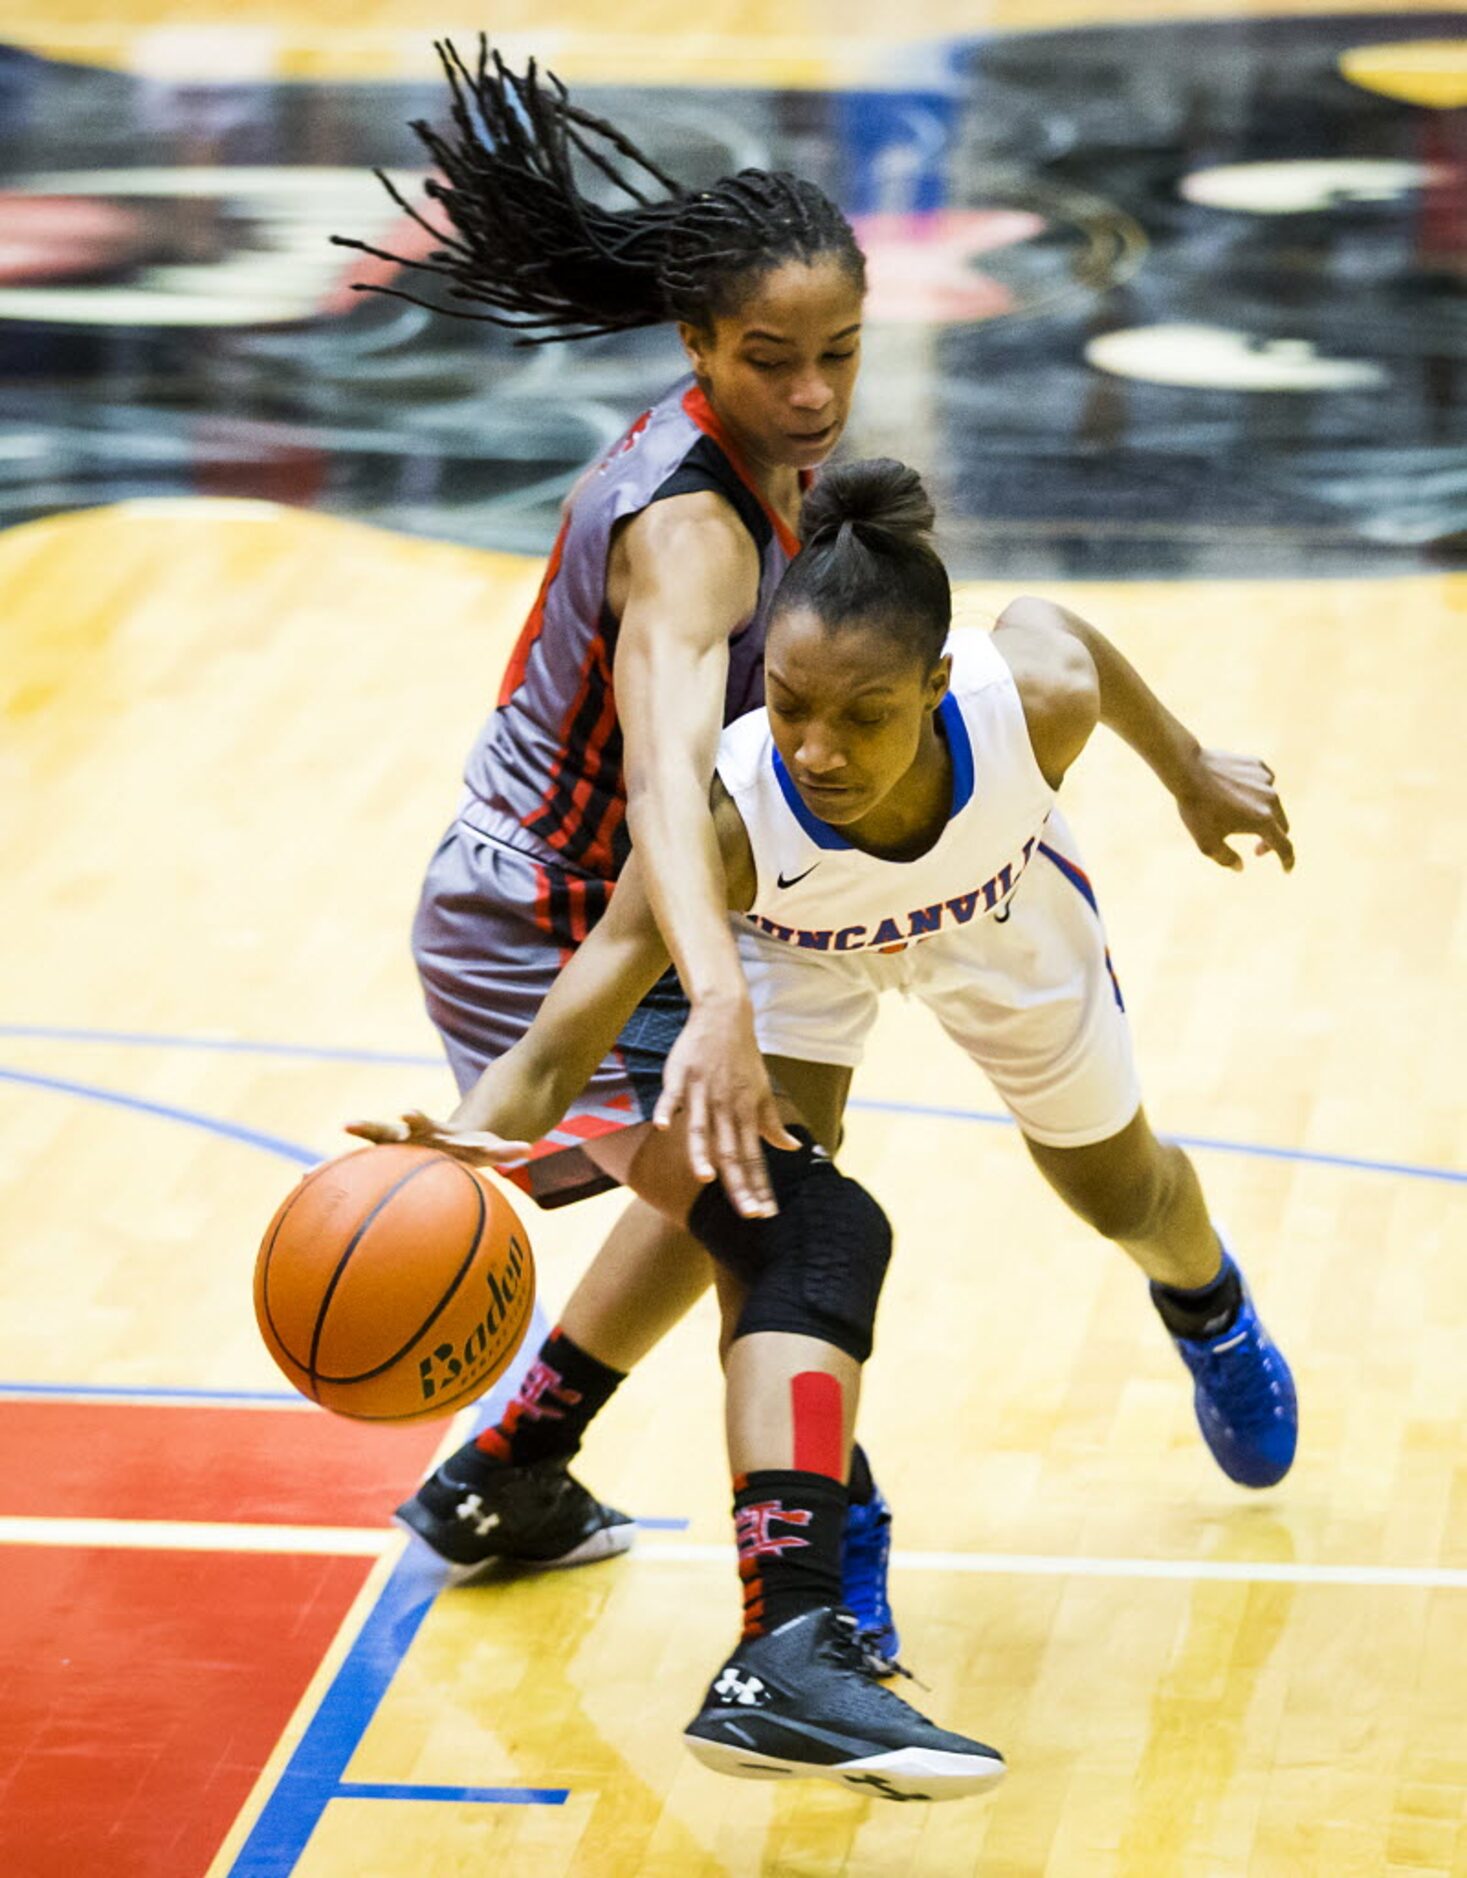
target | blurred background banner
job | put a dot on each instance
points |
(1149, 300)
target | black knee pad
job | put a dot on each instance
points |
(816, 1268)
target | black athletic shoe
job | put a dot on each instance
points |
(471, 1511)
(802, 1702)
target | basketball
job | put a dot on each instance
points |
(394, 1284)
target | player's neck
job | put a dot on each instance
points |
(776, 484)
(910, 818)
(779, 487)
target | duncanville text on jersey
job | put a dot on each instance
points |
(901, 928)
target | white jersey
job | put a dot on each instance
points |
(995, 929)
(817, 893)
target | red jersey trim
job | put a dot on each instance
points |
(514, 672)
(706, 418)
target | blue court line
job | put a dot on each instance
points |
(166, 1111)
(480, 1796)
(314, 1775)
(1348, 1163)
(1260, 1150)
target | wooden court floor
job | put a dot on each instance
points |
(232, 733)
(229, 737)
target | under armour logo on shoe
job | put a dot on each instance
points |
(749, 1691)
(883, 1787)
(471, 1512)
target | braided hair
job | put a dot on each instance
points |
(552, 264)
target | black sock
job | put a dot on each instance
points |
(563, 1389)
(1204, 1313)
(788, 1526)
(859, 1483)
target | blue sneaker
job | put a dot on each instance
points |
(865, 1552)
(1244, 1396)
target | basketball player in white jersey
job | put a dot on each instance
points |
(888, 822)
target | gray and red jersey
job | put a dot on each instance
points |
(545, 774)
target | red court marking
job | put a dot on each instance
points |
(141, 1694)
(815, 1409)
(89, 1460)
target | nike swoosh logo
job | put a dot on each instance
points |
(798, 877)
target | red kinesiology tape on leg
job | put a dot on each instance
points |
(818, 1418)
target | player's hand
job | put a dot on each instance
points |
(1234, 795)
(716, 1079)
(476, 1147)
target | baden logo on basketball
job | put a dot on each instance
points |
(453, 1369)
(394, 1284)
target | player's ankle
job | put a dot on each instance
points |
(1201, 1310)
(789, 1525)
(561, 1393)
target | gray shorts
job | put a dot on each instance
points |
(493, 928)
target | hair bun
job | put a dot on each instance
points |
(876, 496)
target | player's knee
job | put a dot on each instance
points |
(815, 1269)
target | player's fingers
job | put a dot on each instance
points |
(1225, 856)
(771, 1125)
(697, 1113)
(489, 1149)
(1272, 830)
(753, 1171)
(381, 1133)
(729, 1163)
(671, 1098)
(1268, 772)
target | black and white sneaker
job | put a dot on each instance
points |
(472, 1511)
(802, 1703)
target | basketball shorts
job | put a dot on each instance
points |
(493, 928)
(1029, 994)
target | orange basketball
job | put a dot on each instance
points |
(394, 1284)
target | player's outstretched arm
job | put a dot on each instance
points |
(523, 1094)
(1071, 678)
(691, 577)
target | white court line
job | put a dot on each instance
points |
(1042, 1565)
(181, 1535)
(125, 1397)
(369, 1541)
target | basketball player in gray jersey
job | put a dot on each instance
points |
(647, 636)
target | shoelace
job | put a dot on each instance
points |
(1246, 1380)
(849, 1646)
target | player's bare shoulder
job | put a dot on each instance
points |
(694, 545)
(1055, 677)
